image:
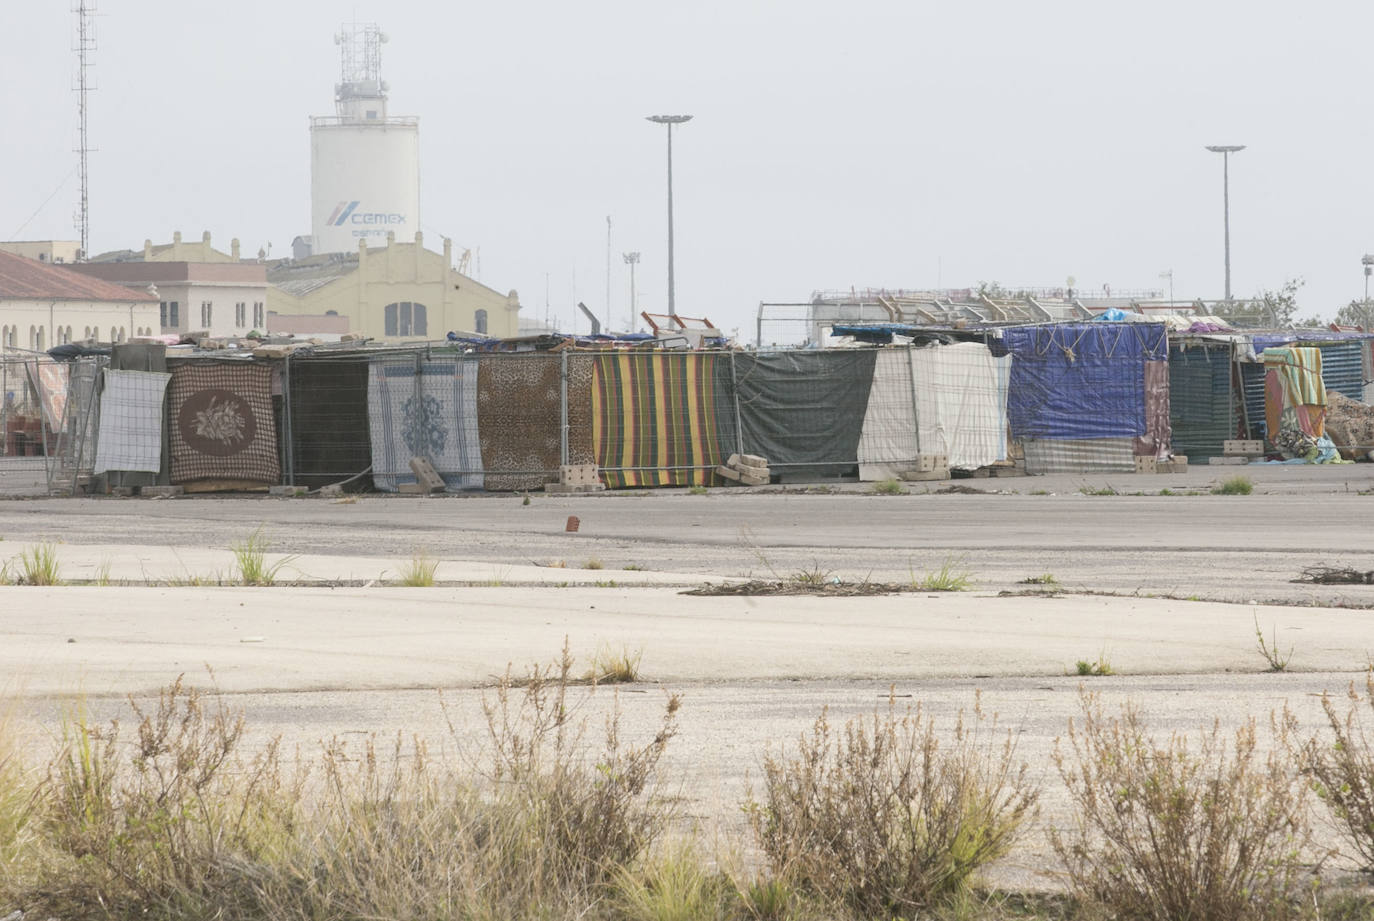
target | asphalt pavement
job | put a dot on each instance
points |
(344, 652)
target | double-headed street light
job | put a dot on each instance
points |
(670, 121)
(1226, 150)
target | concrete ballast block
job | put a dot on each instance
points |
(426, 474)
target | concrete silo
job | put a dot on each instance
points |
(364, 163)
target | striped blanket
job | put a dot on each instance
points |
(654, 419)
(1294, 393)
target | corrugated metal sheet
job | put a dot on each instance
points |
(1342, 370)
(1200, 400)
(1079, 455)
(1252, 378)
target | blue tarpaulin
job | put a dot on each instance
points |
(1081, 380)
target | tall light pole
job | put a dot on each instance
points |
(1226, 150)
(1368, 262)
(608, 273)
(632, 259)
(670, 121)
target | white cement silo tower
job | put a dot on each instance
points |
(364, 163)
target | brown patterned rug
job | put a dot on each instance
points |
(221, 423)
(519, 418)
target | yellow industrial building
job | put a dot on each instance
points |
(400, 292)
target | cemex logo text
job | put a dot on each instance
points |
(346, 212)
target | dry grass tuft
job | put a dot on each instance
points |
(419, 571)
(250, 555)
(611, 666)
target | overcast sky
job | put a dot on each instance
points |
(897, 144)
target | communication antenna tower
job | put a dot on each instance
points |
(85, 47)
(361, 84)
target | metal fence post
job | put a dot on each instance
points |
(563, 407)
(915, 413)
(734, 387)
(289, 452)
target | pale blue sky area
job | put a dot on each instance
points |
(898, 144)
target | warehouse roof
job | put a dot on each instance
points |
(28, 279)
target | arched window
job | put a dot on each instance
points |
(405, 318)
(33, 338)
(114, 335)
(479, 321)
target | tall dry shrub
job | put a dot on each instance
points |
(883, 817)
(1342, 770)
(17, 799)
(1165, 830)
(160, 825)
(594, 814)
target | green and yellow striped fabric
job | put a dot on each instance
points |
(654, 419)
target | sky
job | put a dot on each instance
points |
(899, 144)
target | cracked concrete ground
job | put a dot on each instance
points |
(345, 653)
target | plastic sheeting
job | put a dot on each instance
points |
(961, 403)
(949, 400)
(887, 442)
(804, 411)
(1081, 381)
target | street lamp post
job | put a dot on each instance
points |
(670, 121)
(1226, 150)
(632, 259)
(1368, 262)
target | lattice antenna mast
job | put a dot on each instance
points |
(360, 85)
(85, 47)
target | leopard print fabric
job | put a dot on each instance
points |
(519, 414)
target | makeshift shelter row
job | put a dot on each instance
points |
(1072, 397)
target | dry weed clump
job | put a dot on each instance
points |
(1163, 830)
(175, 820)
(1342, 770)
(160, 824)
(881, 819)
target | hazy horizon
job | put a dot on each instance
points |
(898, 145)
